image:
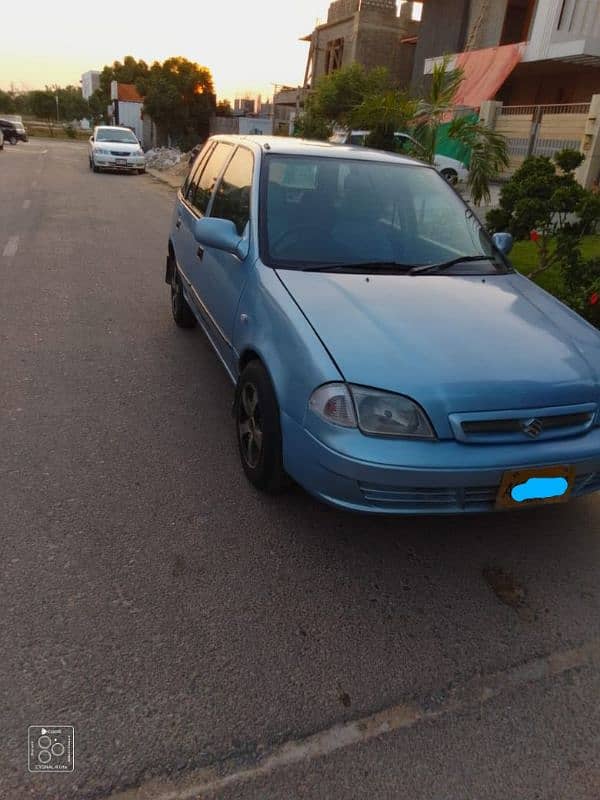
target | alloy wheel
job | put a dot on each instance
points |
(250, 425)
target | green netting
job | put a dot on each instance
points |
(450, 147)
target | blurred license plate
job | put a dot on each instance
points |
(121, 162)
(527, 487)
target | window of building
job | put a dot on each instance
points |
(334, 53)
(232, 199)
(517, 21)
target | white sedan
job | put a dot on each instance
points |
(449, 168)
(112, 147)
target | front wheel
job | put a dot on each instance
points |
(259, 430)
(12, 139)
(182, 313)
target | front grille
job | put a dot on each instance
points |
(494, 426)
(474, 498)
(449, 499)
(118, 154)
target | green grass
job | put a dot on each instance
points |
(524, 258)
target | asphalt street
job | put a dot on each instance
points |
(207, 641)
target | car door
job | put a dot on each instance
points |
(219, 277)
(192, 203)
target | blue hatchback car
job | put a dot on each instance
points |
(385, 354)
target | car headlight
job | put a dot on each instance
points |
(138, 152)
(101, 151)
(374, 412)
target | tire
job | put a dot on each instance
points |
(182, 313)
(141, 171)
(90, 162)
(450, 175)
(257, 412)
(94, 167)
(12, 139)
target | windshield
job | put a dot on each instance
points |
(319, 210)
(112, 135)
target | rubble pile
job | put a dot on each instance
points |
(163, 157)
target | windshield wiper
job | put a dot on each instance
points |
(391, 267)
(447, 264)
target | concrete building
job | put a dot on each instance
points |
(90, 81)
(368, 32)
(540, 51)
(243, 106)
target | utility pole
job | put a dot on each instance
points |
(56, 98)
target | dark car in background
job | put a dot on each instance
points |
(13, 131)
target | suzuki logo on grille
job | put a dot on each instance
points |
(532, 427)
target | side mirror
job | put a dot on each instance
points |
(91, 139)
(220, 234)
(504, 242)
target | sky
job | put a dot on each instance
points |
(247, 46)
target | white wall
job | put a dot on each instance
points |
(130, 114)
(263, 125)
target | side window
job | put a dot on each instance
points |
(232, 199)
(195, 170)
(205, 184)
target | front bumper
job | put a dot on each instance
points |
(110, 162)
(442, 477)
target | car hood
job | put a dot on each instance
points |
(453, 343)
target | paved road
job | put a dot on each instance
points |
(199, 635)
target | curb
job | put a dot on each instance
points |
(171, 180)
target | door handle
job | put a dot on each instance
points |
(178, 223)
(200, 253)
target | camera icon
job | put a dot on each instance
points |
(50, 748)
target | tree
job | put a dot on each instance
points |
(7, 102)
(42, 104)
(97, 106)
(489, 155)
(437, 105)
(72, 104)
(224, 108)
(130, 71)
(547, 205)
(179, 96)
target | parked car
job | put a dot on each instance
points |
(13, 131)
(451, 169)
(385, 354)
(117, 148)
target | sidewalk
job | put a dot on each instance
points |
(174, 181)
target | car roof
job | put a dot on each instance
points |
(113, 128)
(288, 145)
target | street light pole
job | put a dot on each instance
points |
(57, 117)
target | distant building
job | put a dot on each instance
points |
(244, 105)
(90, 81)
